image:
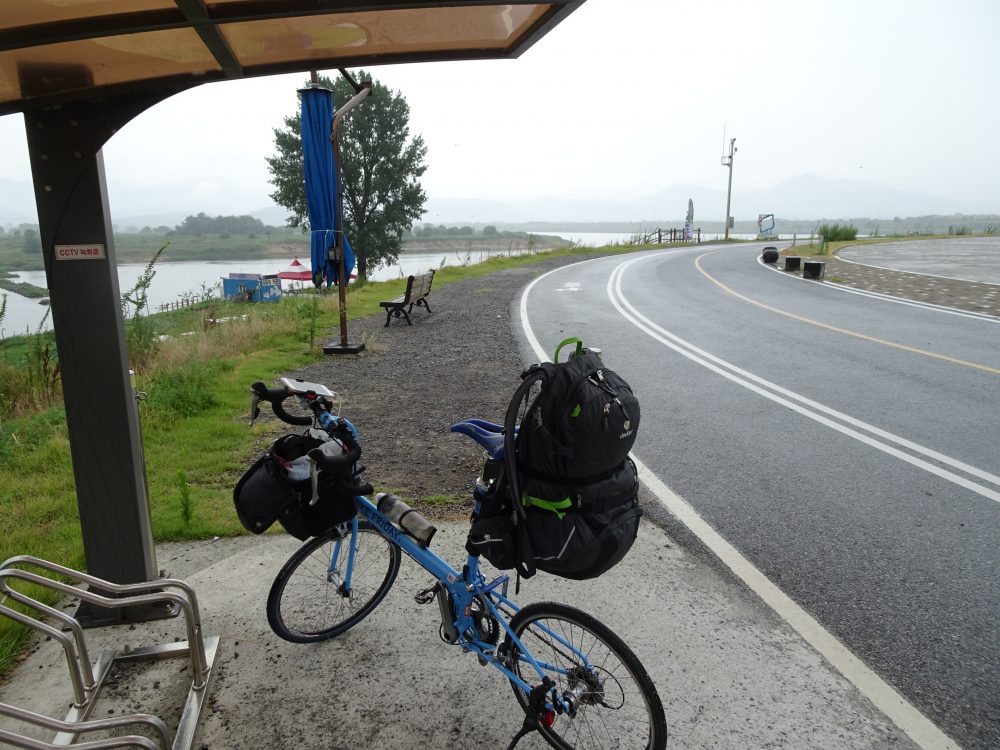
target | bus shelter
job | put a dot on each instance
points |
(80, 71)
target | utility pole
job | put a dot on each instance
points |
(727, 161)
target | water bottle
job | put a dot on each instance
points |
(405, 518)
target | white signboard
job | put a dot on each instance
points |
(80, 252)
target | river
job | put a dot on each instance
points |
(175, 280)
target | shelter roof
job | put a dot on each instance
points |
(53, 51)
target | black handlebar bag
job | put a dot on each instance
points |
(265, 493)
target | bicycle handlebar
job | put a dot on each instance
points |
(276, 397)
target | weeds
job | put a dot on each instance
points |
(185, 490)
(372, 344)
(962, 229)
(313, 315)
(140, 332)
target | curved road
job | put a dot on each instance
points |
(847, 446)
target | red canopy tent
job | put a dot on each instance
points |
(296, 272)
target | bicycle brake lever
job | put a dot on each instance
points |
(314, 480)
(254, 406)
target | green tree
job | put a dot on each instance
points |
(32, 243)
(381, 166)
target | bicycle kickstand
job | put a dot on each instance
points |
(536, 712)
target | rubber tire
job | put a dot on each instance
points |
(367, 535)
(657, 738)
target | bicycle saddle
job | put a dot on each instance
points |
(488, 434)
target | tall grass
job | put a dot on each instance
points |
(29, 373)
(838, 232)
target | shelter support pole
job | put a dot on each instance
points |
(105, 440)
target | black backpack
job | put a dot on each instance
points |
(566, 500)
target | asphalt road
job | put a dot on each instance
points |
(847, 446)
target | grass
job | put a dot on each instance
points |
(193, 420)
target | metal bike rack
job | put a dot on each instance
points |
(86, 679)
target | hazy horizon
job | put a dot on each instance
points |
(620, 103)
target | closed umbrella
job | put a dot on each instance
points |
(321, 185)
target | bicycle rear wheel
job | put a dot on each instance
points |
(616, 703)
(308, 601)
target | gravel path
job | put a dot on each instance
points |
(462, 360)
(413, 382)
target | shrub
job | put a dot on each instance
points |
(838, 232)
(184, 391)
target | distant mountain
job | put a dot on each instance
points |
(813, 197)
(804, 197)
(807, 197)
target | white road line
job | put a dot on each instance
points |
(902, 713)
(806, 407)
(886, 297)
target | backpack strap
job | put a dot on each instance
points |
(526, 557)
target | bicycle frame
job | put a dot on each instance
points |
(463, 589)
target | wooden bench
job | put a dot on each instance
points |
(417, 289)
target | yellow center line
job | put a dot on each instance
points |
(855, 334)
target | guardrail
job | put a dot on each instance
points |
(662, 236)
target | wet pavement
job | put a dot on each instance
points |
(961, 273)
(963, 258)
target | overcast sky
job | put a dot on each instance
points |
(625, 98)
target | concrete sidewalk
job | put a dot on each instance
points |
(729, 673)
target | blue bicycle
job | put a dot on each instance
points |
(578, 683)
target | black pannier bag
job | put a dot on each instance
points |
(266, 493)
(566, 501)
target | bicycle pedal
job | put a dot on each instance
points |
(425, 596)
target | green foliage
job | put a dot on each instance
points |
(838, 232)
(32, 243)
(185, 492)
(380, 166)
(962, 229)
(202, 224)
(183, 392)
(29, 373)
(313, 317)
(140, 332)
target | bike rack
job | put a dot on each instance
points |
(86, 679)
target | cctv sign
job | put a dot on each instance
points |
(80, 252)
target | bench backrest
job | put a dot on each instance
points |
(419, 285)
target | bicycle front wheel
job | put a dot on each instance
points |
(615, 702)
(309, 600)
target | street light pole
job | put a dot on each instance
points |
(727, 161)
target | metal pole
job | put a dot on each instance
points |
(345, 348)
(727, 161)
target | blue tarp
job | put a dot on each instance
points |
(321, 184)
